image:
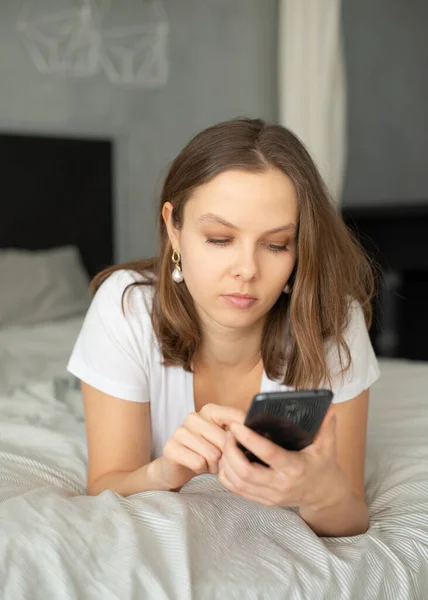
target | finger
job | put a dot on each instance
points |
(255, 497)
(185, 457)
(244, 471)
(241, 486)
(223, 416)
(201, 446)
(270, 453)
(207, 429)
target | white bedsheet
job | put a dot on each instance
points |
(33, 353)
(204, 543)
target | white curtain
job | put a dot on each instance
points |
(312, 94)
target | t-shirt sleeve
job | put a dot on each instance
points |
(109, 353)
(364, 368)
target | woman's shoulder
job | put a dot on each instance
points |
(354, 331)
(355, 325)
(124, 277)
(363, 369)
(129, 289)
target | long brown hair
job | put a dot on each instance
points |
(331, 269)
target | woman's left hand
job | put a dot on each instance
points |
(309, 478)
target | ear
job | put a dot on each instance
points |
(172, 231)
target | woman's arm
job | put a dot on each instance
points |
(119, 447)
(119, 443)
(345, 511)
(346, 516)
(126, 484)
(325, 480)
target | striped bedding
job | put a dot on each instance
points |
(204, 543)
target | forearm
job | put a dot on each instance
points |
(128, 483)
(346, 515)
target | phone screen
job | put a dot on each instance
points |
(289, 419)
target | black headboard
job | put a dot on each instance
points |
(396, 236)
(57, 191)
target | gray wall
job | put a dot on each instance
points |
(223, 64)
(386, 45)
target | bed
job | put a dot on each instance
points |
(201, 543)
(56, 542)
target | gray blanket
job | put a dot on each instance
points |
(204, 543)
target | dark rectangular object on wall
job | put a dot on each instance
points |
(57, 191)
(396, 236)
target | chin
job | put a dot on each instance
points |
(236, 319)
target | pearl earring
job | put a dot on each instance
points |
(177, 274)
(287, 289)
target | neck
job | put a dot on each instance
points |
(231, 349)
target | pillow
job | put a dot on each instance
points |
(43, 285)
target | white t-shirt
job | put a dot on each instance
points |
(120, 355)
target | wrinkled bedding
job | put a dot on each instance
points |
(204, 542)
(32, 353)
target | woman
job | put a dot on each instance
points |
(258, 287)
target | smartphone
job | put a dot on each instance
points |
(289, 419)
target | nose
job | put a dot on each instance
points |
(245, 266)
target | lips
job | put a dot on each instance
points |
(237, 295)
(240, 300)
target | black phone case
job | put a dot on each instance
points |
(289, 419)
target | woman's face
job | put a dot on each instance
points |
(238, 238)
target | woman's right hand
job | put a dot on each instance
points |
(196, 447)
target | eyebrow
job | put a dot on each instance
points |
(212, 218)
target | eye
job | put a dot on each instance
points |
(218, 242)
(273, 248)
(225, 241)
